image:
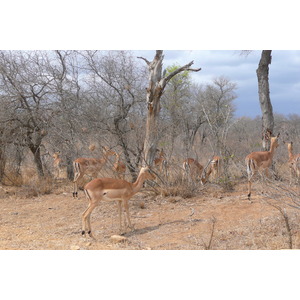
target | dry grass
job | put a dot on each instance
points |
(214, 219)
(176, 214)
(177, 185)
(37, 187)
(29, 184)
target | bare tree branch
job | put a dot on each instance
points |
(146, 60)
(186, 67)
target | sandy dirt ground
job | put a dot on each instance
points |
(215, 219)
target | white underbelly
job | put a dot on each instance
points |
(113, 195)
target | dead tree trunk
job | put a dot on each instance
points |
(264, 97)
(157, 84)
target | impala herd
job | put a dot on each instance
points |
(118, 189)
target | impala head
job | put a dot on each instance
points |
(161, 152)
(56, 155)
(147, 173)
(274, 140)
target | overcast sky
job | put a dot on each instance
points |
(207, 28)
(284, 75)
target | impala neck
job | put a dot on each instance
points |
(272, 149)
(204, 179)
(290, 149)
(138, 184)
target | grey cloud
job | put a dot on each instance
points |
(284, 75)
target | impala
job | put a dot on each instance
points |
(160, 162)
(112, 189)
(293, 162)
(90, 166)
(192, 168)
(260, 160)
(57, 164)
(119, 167)
(213, 169)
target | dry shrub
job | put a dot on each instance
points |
(227, 183)
(28, 183)
(176, 185)
(36, 187)
(12, 178)
(174, 199)
(184, 191)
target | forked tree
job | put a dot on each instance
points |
(157, 84)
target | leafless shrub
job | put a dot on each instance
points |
(178, 185)
(280, 196)
(36, 187)
(209, 245)
(12, 178)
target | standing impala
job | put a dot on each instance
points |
(112, 189)
(119, 167)
(160, 162)
(90, 166)
(192, 168)
(260, 160)
(294, 160)
(57, 164)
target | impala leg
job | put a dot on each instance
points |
(86, 222)
(267, 172)
(291, 176)
(83, 221)
(75, 190)
(249, 189)
(120, 215)
(77, 177)
(297, 171)
(126, 205)
(250, 177)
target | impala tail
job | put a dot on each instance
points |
(250, 167)
(186, 167)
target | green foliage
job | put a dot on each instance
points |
(181, 80)
(177, 89)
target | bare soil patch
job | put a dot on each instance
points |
(213, 220)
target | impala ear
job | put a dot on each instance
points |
(278, 134)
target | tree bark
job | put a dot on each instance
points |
(37, 160)
(2, 161)
(264, 97)
(157, 84)
(34, 145)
